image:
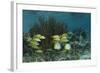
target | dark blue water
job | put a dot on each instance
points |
(74, 20)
